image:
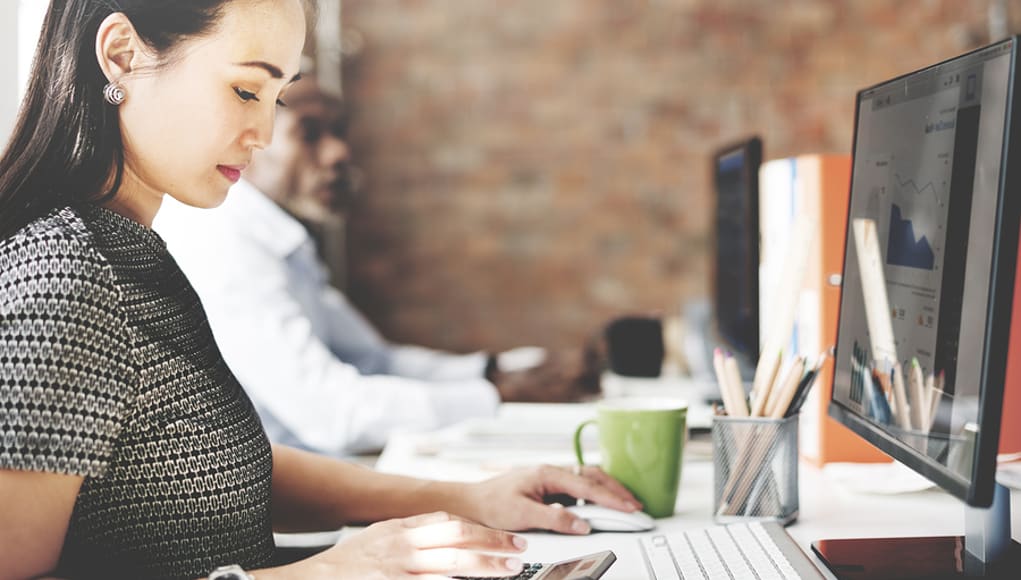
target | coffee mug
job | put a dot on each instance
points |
(634, 346)
(642, 445)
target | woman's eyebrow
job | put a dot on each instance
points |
(273, 70)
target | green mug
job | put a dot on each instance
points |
(642, 445)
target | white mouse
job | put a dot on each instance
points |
(604, 519)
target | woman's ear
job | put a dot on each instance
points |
(118, 48)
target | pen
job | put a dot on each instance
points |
(801, 395)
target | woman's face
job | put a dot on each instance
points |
(190, 128)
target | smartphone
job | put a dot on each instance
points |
(589, 567)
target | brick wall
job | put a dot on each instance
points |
(535, 167)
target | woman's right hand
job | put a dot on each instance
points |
(425, 547)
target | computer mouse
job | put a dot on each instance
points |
(604, 519)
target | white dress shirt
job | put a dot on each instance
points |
(320, 375)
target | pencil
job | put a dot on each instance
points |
(753, 455)
(721, 379)
(737, 397)
(930, 399)
(937, 396)
(785, 389)
(785, 394)
(748, 468)
(900, 394)
(919, 402)
(765, 375)
(750, 443)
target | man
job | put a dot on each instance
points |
(322, 377)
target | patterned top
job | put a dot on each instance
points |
(108, 370)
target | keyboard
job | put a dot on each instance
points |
(752, 550)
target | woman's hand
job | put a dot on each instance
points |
(514, 501)
(426, 547)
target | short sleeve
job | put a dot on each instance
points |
(66, 378)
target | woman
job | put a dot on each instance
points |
(127, 449)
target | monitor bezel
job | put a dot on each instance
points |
(751, 147)
(979, 492)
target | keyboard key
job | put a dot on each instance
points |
(686, 560)
(657, 556)
(745, 551)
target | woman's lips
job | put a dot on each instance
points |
(231, 173)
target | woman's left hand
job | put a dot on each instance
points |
(514, 501)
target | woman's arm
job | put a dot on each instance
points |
(427, 547)
(313, 492)
(35, 509)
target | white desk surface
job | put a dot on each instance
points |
(828, 510)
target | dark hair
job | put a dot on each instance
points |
(67, 141)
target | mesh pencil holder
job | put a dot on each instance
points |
(755, 469)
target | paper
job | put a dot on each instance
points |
(1009, 475)
(876, 478)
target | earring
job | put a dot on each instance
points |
(114, 93)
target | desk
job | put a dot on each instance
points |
(826, 511)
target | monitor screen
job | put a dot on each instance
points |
(736, 280)
(928, 270)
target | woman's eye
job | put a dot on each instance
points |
(246, 95)
(250, 96)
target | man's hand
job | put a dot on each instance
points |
(563, 376)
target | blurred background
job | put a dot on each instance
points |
(530, 169)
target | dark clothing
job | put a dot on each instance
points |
(108, 370)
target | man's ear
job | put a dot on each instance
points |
(118, 47)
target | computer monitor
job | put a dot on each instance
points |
(928, 283)
(736, 281)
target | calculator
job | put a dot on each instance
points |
(588, 567)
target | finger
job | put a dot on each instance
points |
(555, 518)
(429, 519)
(604, 479)
(451, 561)
(463, 534)
(581, 487)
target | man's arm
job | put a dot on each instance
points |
(270, 332)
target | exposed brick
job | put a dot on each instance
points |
(536, 167)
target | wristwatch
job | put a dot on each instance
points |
(232, 572)
(492, 369)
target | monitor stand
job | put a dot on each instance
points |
(985, 551)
